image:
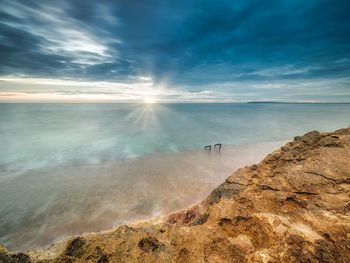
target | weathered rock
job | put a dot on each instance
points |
(6, 257)
(20, 258)
(75, 247)
(294, 206)
(149, 244)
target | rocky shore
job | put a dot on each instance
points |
(294, 206)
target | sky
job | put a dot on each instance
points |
(175, 51)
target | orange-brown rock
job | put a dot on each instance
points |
(294, 206)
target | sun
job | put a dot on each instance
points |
(149, 100)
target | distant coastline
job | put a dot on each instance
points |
(293, 102)
(167, 102)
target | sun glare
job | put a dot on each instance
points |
(149, 100)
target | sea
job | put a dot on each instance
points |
(68, 169)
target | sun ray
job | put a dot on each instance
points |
(149, 100)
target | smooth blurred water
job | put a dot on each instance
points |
(70, 168)
(42, 135)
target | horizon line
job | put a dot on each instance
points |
(173, 102)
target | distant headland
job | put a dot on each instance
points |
(294, 102)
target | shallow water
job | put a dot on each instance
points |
(48, 204)
(71, 168)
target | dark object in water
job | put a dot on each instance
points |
(218, 145)
(208, 147)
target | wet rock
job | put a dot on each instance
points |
(285, 148)
(297, 138)
(124, 230)
(99, 256)
(329, 142)
(75, 247)
(327, 252)
(200, 220)
(254, 167)
(298, 250)
(4, 255)
(188, 217)
(150, 244)
(183, 218)
(311, 137)
(347, 208)
(20, 258)
(225, 190)
(343, 131)
(103, 259)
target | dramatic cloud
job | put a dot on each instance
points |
(190, 50)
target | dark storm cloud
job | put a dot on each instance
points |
(189, 43)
